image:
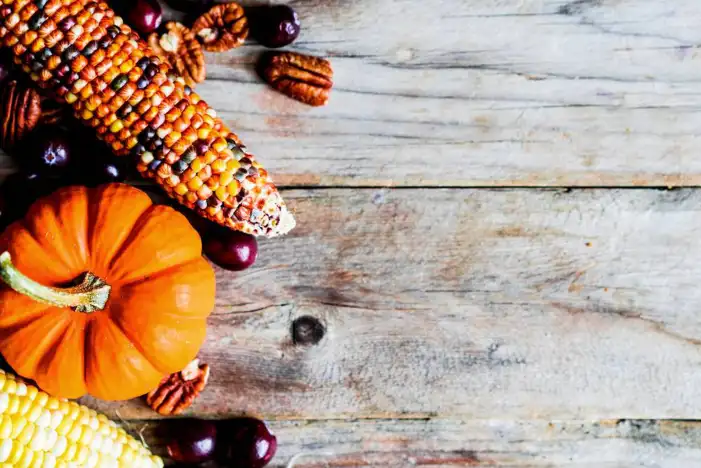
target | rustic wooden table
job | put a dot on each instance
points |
(497, 229)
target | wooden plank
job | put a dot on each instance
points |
(485, 92)
(502, 443)
(514, 304)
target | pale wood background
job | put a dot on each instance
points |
(485, 230)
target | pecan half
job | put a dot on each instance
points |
(223, 27)
(52, 111)
(20, 109)
(302, 77)
(179, 48)
(176, 392)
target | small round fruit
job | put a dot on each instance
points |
(231, 250)
(249, 443)
(104, 169)
(20, 190)
(48, 151)
(276, 26)
(192, 441)
(145, 16)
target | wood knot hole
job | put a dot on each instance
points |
(307, 331)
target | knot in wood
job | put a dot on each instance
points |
(307, 331)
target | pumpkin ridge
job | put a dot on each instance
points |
(18, 325)
(101, 194)
(47, 359)
(51, 205)
(137, 346)
(40, 344)
(86, 351)
(21, 226)
(165, 272)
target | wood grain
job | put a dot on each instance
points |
(486, 92)
(452, 443)
(515, 304)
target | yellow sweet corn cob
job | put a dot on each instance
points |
(86, 56)
(39, 431)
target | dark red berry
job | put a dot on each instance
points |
(246, 442)
(145, 15)
(192, 440)
(231, 250)
(20, 190)
(48, 151)
(275, 26)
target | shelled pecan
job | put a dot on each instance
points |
(180, 49)
(177, 391)
(302, 77)
(223, 27)
(52, 111)
(20, 109)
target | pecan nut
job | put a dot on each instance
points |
(52, 111)
(302, 77)
(223, 27)
(20, 109)
(177, 391)
(179, 48)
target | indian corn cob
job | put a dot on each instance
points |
(85, 55)
(37, 430)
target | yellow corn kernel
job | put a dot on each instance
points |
(65, 426)
(194, 184)
(75, 433)
(234, 187)
(87, 436)
(225, 178)
(218, 166)
(70, 452)
(5, 427)
(70, 98)
(203, 132)
(232, 165)
(26, 435)
(116, 126)
(82, 455)
(21, 389)
(86, 114)
(197, 164)
(59, 447)
(13, 406)
(42, 398)
(221, 193)
(210, 157)
(24, 406)
(10, 387)
(17, 454)
(49, 461)
(4, 402)
(37, 458)
(181, 189)
(38, 439)
(17, 426)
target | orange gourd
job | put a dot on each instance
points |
(139, 312)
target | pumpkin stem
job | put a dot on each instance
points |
(89, 296)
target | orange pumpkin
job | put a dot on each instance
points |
(139, 312)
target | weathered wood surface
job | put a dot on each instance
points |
(510, 304)
(517, 444)
(480, 317)
(485, 92)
